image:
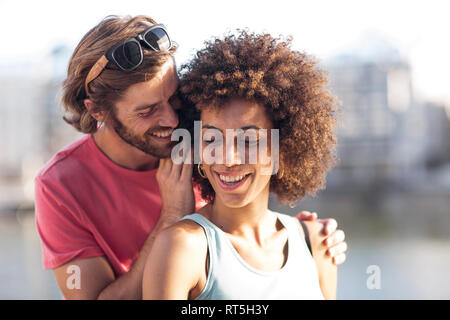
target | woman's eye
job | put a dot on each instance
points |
(208, 140)
(251, 142)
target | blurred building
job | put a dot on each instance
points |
(387, 138)
(31, 128)
(385, 133)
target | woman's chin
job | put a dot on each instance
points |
(233, 200)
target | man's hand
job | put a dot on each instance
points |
(335, 238)
(175, 186)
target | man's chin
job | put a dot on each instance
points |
(159, 152)
(148, 145)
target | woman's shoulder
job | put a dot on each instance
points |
(185, 233)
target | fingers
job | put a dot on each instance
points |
(335, 238)
(175, 171)
(337, 247)
(337, 250)
(307, 216)
(329, 226)
(164, 167)
(186, 171)
(339, 259)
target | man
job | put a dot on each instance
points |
(101, 201)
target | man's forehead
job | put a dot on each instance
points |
(160, 87)
(167, 70)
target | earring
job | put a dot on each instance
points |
(201, 172)
(279, 176)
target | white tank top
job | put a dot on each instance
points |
(230, 277)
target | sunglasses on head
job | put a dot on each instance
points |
(127, 55)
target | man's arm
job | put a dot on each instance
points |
(326, 269)
(97, 276)
(97, 279)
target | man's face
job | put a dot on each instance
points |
(146, 115)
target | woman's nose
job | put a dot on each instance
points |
(233, 156)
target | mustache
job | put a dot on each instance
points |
(156, 129)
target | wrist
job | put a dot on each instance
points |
(170, 214)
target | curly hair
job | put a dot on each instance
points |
(265, 70)
(109, 86)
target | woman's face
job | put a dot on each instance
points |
(245, 170)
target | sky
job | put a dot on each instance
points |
(419, 29)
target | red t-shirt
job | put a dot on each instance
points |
(87, 206)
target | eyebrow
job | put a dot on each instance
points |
(147, 106)
(143, 107)
(207, 126)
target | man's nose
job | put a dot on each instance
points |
(167, 116)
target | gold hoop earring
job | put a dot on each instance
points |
(279, 176)
(201, 172)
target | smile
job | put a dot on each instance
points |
(162, 134)
(231, 182)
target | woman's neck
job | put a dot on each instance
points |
(250, 221)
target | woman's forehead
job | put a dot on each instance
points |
(235, 114)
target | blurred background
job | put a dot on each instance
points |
(388, 64)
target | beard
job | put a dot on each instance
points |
(143, 143)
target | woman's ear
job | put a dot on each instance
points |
(94, 111)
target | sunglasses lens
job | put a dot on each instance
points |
(128, 55)
(158, 39)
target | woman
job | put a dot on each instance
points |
(235, 247)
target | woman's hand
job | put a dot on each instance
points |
(334, 240)
(175, 186)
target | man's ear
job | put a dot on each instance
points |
(94, 110)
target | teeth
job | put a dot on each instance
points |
(231, 179)
(163, 134)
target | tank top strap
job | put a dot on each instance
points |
(212, 236)
(296, 240)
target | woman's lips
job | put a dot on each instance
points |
(231, 185)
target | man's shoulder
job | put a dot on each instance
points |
(65, 163)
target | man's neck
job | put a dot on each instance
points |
(121, 153)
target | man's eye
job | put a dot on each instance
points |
(208, 140)
(143, 115)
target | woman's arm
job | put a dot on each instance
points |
(175, 262)
(325, 267)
